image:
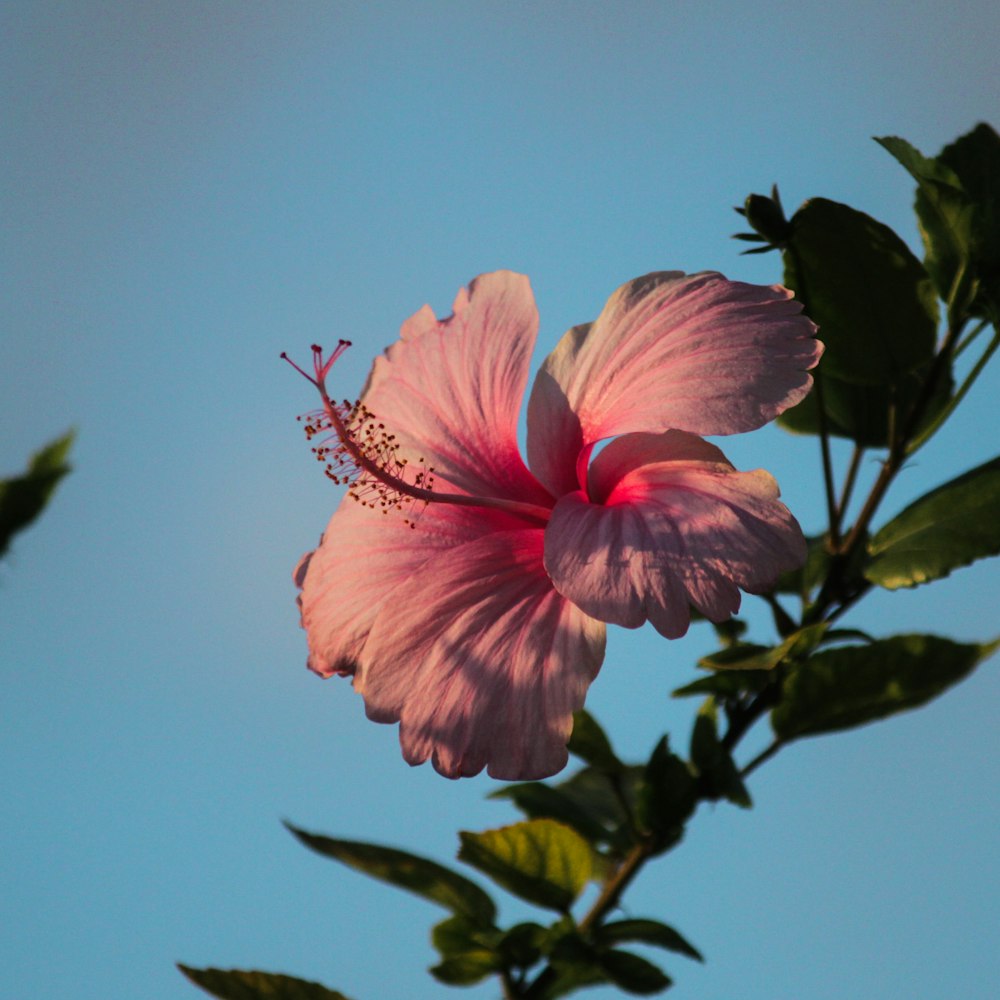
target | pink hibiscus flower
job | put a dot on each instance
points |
(467, 592)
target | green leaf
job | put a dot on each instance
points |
(523, 944)
(590, 743)
(648, 932)
(407, 871)
(236, 984)
(540, 860)
(748, 657)
(468, 953)
(848, 686)
(634, 974)
(604, 797)
(667, 796)
(719, 778)
(872, 299)
(23, 498)
(864, 413)
(975, 160)
(943, 214)
(947, 528)
(540, 801)
(727, 683)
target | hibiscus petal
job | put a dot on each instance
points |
(363, 558)
(451, 390)
(481, 661)
(668, 523)
(693, 352)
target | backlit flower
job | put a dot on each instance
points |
(467, 592)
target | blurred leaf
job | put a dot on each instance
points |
(851, 685)
(539, 801)
(727, 683)
(748, 657)
(648, 932)
(872, 299)
(947, 528)
(601, 795)
(467, 952)
(540, 860)
(667, 796)
(23, 498)
(407, 871)
(633, 974)
(590, 743)
(235, 984)
(718, 774)
(522, 945)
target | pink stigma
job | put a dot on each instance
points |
(320, 367)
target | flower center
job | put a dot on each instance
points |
(357, 451)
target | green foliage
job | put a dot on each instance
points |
(872, 299)
(236, 984)
(718, 776)
(949, 527)
(540, 801)
(648, 932)
(958, 209)
(407, 871)
(23, 498)
(763, 658)
(540, 860)
(590, 743)
(633, 973)
(847, 687)
(468, 951)
(667, 797)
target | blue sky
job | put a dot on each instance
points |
(189, 189)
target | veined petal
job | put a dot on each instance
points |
(451, 389)
(363, 558)
(481, 661)
(693, 352)
(668, 523)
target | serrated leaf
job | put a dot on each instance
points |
(238, 984)
(851, 685)
(540, 801)
(952, 526)
(23, 498)
(872, 299)
(406, 871)
(717, 772)
(540, 860)
(633, 973)
(590, 743)
(648, 932)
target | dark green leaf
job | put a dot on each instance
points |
(726, 683)
(591, 745)
(407, 871)
(539, 801)
(864, 413)
(523, 944)
(667, 796)
(748, 657)
(468, 953)
(851, 685)
(943, 212)
(648, 932)
(540, 860)
(601, 795)
(23, 498)
(949, 527)
(236, 984)
(634, 974)
(872, 299)
(975, 160)
(719, 778)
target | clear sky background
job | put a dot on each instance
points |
(189, 189)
